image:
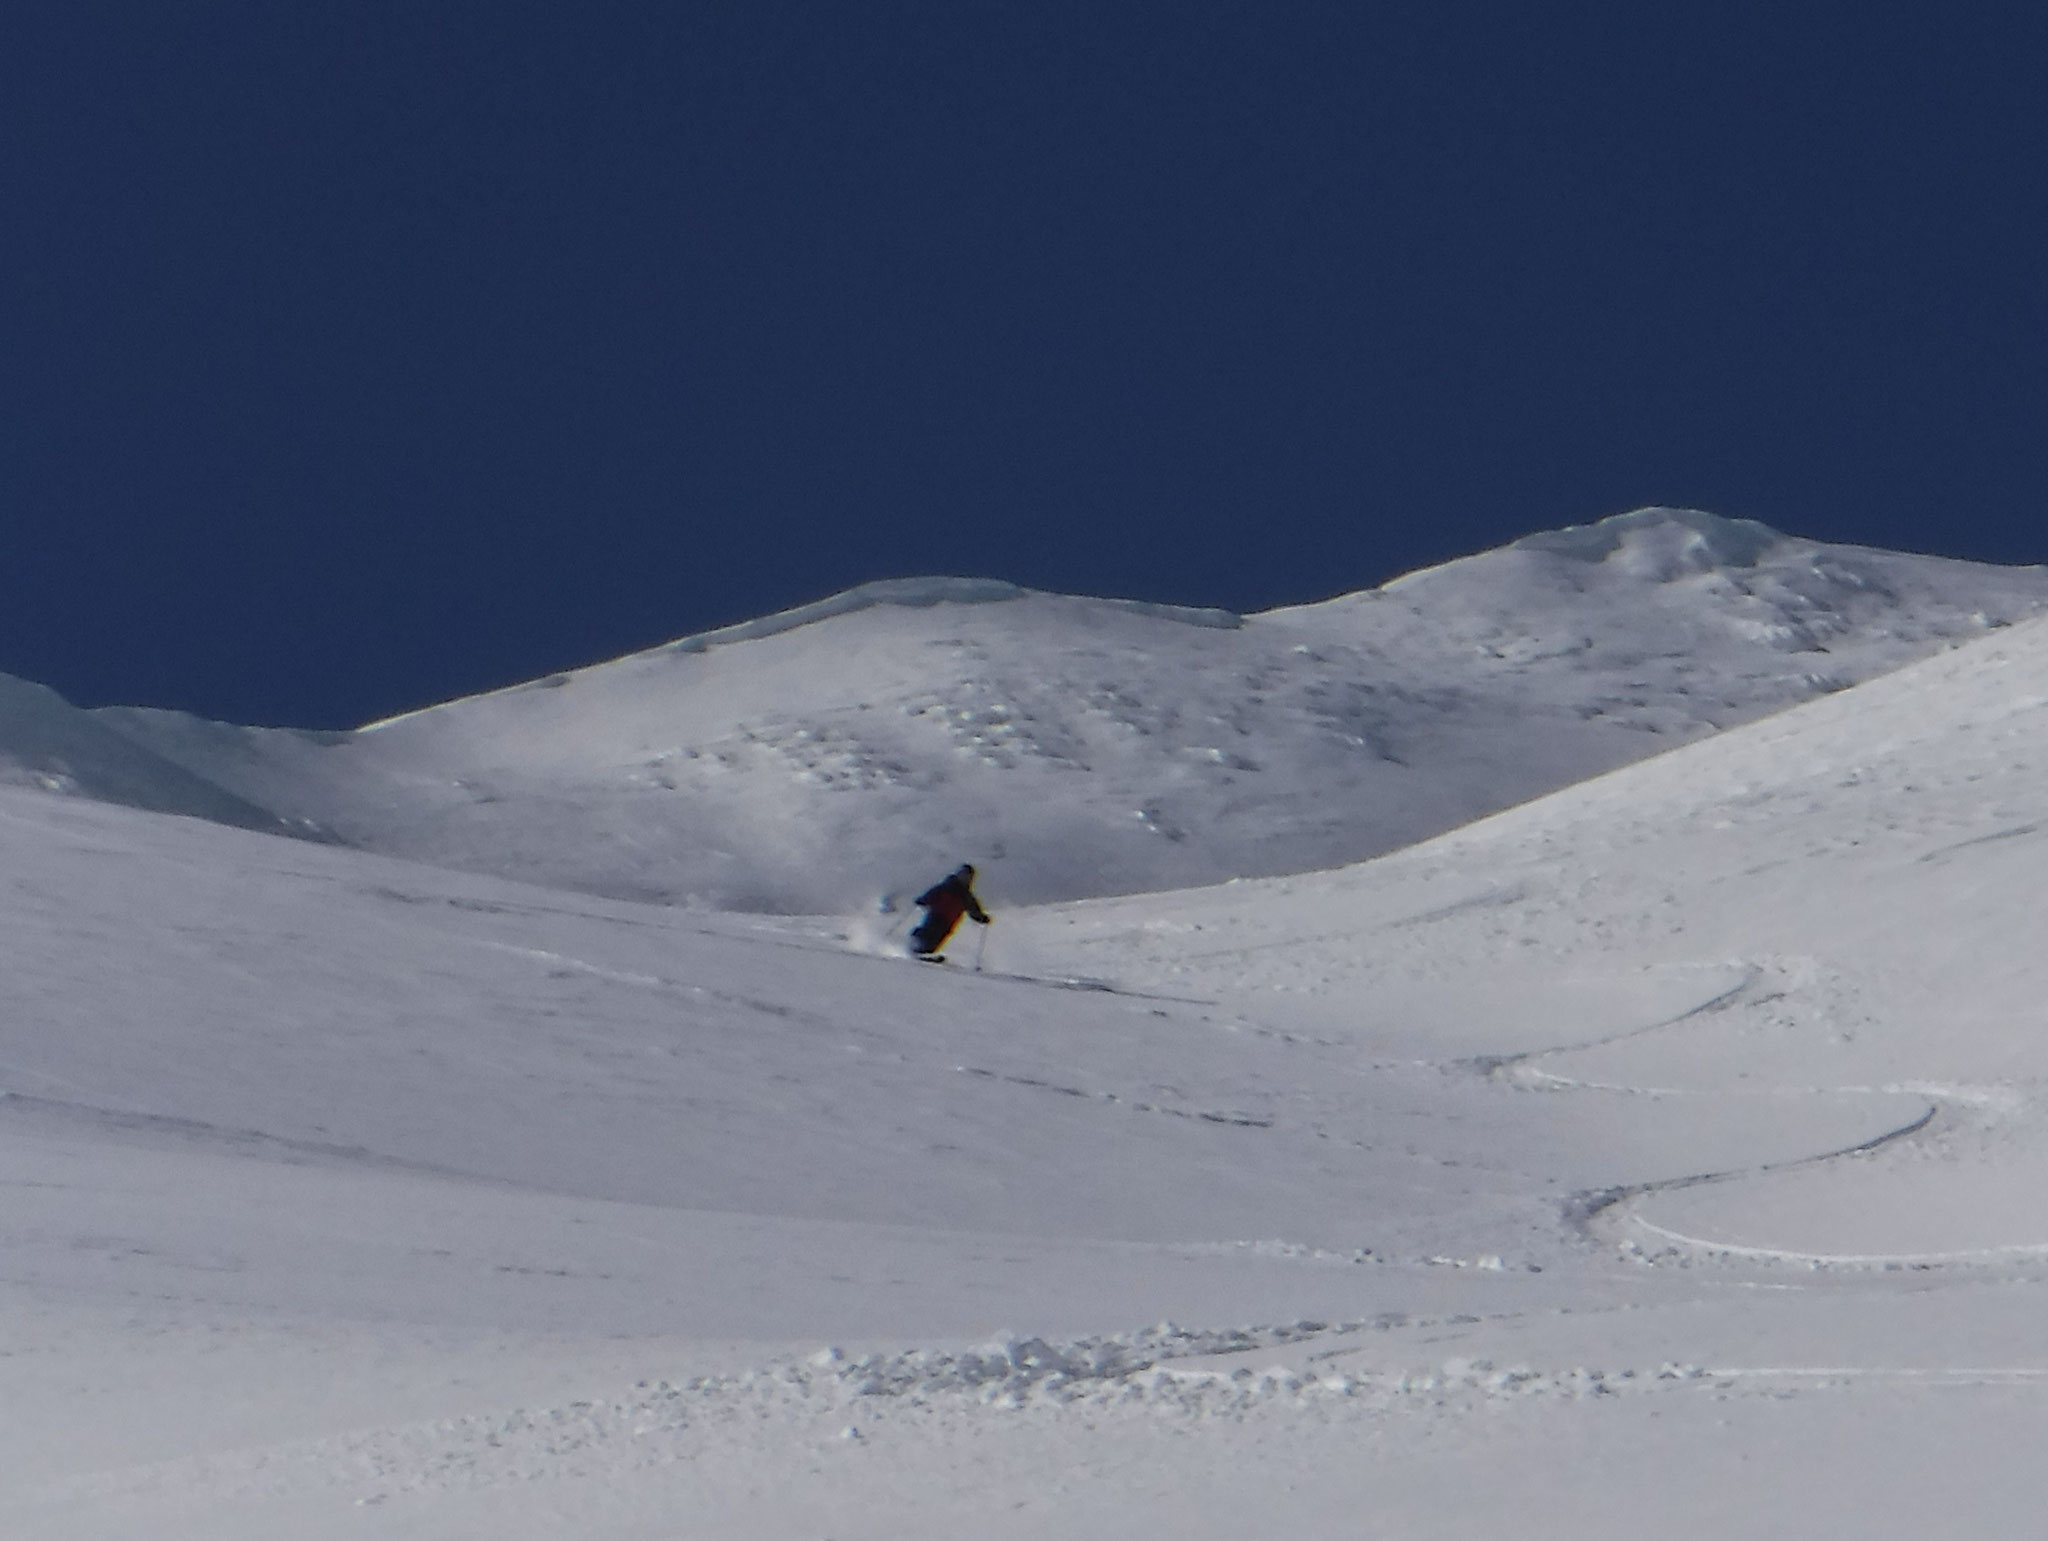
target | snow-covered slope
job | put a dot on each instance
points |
(45, 742)
(1073, 747)
(1665, 1153)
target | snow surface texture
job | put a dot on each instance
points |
(1071, 747)
(1662, 1154)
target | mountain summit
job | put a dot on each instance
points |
(1073, 746)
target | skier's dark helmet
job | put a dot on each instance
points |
(966, 872)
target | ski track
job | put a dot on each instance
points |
(193, 1131)
(1586, 1209)
(1513, 1066)
(563, 963)
(1199, 1115)
(1960, 1257)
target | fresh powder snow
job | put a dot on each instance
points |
(1660, 1150)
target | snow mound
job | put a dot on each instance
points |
(1659, 545)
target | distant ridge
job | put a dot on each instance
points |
(912, 593)
(819, 757)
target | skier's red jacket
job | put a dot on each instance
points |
(949, 899)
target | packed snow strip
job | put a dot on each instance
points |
(1013, 1372)
(854, 1398)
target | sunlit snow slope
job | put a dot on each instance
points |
(1070, 747)
(1663, 1154)
(1866, 875)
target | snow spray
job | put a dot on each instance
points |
(869, 933)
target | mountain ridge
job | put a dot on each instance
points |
(813, 759)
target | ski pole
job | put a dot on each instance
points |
(981, 947)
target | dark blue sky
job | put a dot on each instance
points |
(358, 355)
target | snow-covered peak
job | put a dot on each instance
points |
(1697, 597)
(1068, 746)
(922, 594)
(1660, 544)
(908, 593)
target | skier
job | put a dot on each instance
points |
(944, 903)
